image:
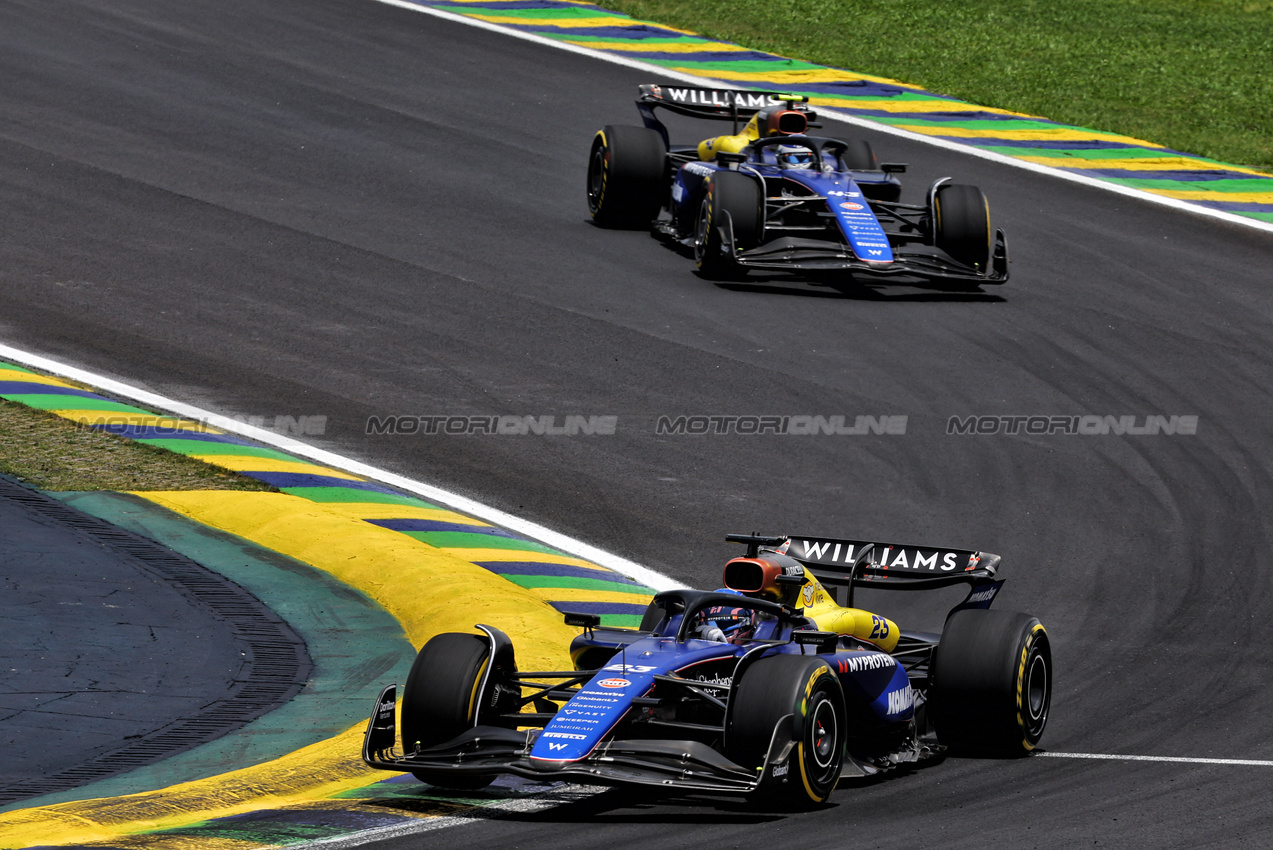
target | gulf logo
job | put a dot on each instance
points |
(849, 205)
(614, 683)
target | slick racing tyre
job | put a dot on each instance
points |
(961, 225)
(731, 200)
(991, 683)
(441, 699)
(627, 177)
(803, 686)
(858, 155)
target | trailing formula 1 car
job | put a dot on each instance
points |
(769, 196)
(767, 687)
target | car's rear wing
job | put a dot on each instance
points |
(844, 562)
(735, 105)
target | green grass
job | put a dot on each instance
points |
(1194, 75)
(50, 453)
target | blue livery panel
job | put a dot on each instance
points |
(588, 717)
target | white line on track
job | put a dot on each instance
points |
(428, 492)
(1185, 760)
(665, 74)
(529, 805)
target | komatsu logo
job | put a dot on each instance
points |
(899, 701)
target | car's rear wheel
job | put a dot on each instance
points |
(807, 688)
(858, 155)
(441, 699)
(991, 683)
(730, 200)
(627, 176)
(961, 225)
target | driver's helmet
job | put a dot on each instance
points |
(724, 624)
(795, 156)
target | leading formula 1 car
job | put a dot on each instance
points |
(769, 196)
(767, 687)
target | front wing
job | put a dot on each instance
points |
(795, 254)
(802, 254)
(669, 764)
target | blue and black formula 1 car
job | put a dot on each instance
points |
(768, 196)
(767, 687)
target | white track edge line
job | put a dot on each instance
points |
(542, 801)
(1181, 759)
(830, 112)
(631, 569)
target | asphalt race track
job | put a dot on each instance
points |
(353, 210)
(118, 652)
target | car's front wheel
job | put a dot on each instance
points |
(807, 688)
(961, 225)
(441, 699)
(730, 200)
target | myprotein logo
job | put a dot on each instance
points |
(789, 425)
(868, 661)
(1085, 425)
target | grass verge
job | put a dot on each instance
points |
(1194, 75)
(51, 453)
